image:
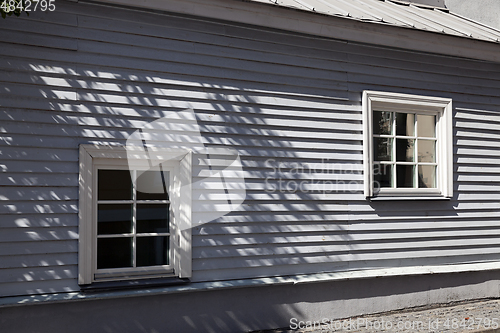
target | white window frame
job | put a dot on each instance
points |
(179, 163)
(396, 102)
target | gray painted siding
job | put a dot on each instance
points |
(91, 74)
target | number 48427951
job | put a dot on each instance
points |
(28, 5)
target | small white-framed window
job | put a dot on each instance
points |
(407, 146)
(134, 215)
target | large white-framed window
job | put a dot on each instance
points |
(134, 214)
(407, 146)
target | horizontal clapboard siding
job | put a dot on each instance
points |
(289, 104)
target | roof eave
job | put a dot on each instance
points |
(336, 27)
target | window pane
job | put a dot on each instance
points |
(153, 185)
(405, 176)
(405, 150)
(114, 219)
(427, 151)
(405, 124)
(382, 122)
(382, 175)
(152, 251)
(152, 218)
(114, 185)
(426, 126)
(426, 176)
(114, 252)
(382, 149)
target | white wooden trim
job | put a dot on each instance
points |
(85, 218)
(134, 153)
(271, 16)
(179, 162)
(418, 102)
(438, 106)
(184, 219)
(367, 151)
(448, 161)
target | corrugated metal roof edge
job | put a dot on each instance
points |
(385, 23)
(382, 22)
(421, 5)
(475, 22)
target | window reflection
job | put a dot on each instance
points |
(405, 142)
(427, 151)
(382, 122)
(153, 185)
(426, 126)
(405, 150)
(426, 176)
(405, 124)
(383, 149)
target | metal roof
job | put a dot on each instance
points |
(396, 13)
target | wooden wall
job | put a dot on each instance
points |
(94, 74)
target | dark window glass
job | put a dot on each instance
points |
(405, 150)
(382, 149)
(152, 251)
(382, 175)
(405, 176)
(152, 218)
(114, 219)
(405, 124)
(152, 185)
(114, 252)
(114, 185)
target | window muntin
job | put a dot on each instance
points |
(407, 146)
(404, 150)
(133, 226)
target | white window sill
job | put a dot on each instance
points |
(134, 284)
(407, 198)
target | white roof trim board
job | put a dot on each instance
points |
(396, 13)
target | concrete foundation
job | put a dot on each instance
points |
(249, 308)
